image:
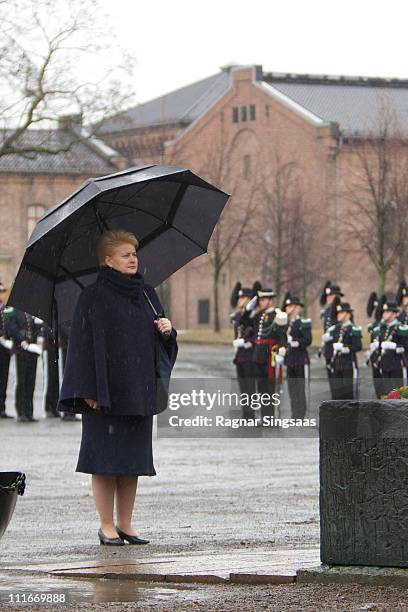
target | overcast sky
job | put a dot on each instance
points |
(176, 42)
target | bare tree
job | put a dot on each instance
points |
(235, 224)
(400, 205)
(280, 192)
(303, 261)
(51, 58)
(288, 232)
(225, 165)
(377, 192)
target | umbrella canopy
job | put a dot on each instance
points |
(171, 211)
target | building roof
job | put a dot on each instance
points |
(77, 154)
(355, 103)
(180, 106)
(352, 102)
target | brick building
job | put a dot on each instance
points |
(31, 184)
(245, 118)
(242, 129)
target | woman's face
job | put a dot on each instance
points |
(123, 258)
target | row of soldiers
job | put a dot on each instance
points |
(341, 341)
(266, 339)
(27, 338)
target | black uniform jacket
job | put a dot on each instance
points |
(267, 334)
(390, 360)
(243, 329)
(351, 337)
(299, 330)
(22, 327)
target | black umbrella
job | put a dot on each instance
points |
(171, 211)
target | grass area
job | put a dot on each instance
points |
(206, 336)
(226, 336)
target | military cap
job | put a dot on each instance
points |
(290, 300)
(390, 305)
(266, 293)
(343, 307)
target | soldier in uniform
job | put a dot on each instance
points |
(26, 331)
(270, 339)
(54, 369)
(6, 346)
(329, 294)
(243, 336)
(389, 347)
(402, 301)
(343, 341)
(299, 337)
(51, 376)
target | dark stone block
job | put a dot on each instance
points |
(364, 483)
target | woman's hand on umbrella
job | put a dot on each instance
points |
(163, 325)
(92, 404)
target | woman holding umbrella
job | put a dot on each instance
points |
(110, 377)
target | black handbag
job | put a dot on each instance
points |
(162, 362)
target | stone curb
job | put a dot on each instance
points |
(354, 574)
(234, 578)
(202, 578)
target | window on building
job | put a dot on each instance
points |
(203, 311)
(252, 112)
(34, 212)
(243, 113)
(247, 166)
(235, 116)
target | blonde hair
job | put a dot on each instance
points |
(110, 240)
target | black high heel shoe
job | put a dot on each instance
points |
(109, 541)
(130, 538)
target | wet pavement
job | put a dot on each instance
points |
(36, 589)
(235, 503)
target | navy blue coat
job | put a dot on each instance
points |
(112, 350)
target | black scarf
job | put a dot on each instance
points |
(130, 285)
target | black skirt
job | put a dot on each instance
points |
(116, 446)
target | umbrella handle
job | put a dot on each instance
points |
(56, 337)
(157, 315)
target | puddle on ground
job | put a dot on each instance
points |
(23, 589)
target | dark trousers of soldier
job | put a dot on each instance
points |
(246, 381)
(377, 381)
(343, 385)
(52, 392)
(265, 385)
(391, 380)
(26, 366)
(330, 377)
(297, 394)
(4, 373)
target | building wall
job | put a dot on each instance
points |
(239, 157)
(17, 193)
(275, 130)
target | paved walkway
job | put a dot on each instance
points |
(272, 566)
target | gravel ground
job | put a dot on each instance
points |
(210, 495)
(238, 598)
